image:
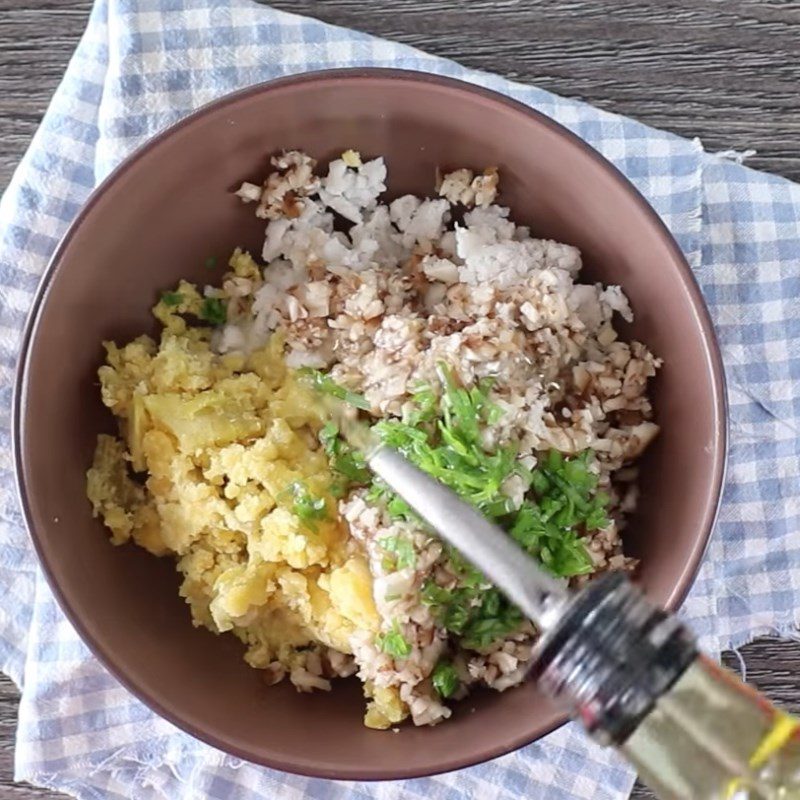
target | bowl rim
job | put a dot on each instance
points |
(356, 74)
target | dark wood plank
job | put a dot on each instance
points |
(36, 40)
(9, 699)
(726, 71)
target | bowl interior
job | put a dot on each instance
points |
(159, 218)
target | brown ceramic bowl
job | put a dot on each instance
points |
(158, 217)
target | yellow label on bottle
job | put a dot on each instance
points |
(776, 738)
(773, 741)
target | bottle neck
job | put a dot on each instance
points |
(611, 656)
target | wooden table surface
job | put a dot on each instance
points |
(724, 70)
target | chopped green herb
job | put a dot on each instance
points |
(172, 299)
(325, 384)
(481, 632)
(210, 262)
(467, 574)
(566, 504)
(401, 548)
(348, 463)
(477, 613)
(213, 310)
(433, 595)
(307, 507)
(393, 642)
(399, 509)
(424, 406)
(451, 448)
(549, 525)
(441, 432)
(329, 436)
(379, 492)
(559, 548)
(445, 679)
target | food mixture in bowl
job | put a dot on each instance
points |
(467, 343)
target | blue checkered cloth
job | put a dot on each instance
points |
(142, 65)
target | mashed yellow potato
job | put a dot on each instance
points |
(222, 446)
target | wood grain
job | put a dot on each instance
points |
(724, 70)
